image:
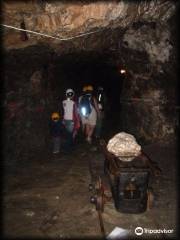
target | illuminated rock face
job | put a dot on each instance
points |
(65, 19)
(150, 92)
(124, 146)
(153, 40)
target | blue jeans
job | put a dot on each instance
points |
(56, 144)
(69, 125)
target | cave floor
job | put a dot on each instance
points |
(49, 197)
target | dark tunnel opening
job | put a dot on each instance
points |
(77, 70)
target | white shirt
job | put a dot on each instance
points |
(68, 106)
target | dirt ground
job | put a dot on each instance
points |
(48, 197)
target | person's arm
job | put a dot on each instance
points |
(76, 115)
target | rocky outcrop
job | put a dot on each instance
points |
(149, 95)
(153, 39)
(68, 19)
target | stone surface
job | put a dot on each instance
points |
(124, 146)
(66, 19)
(26, 104)
(154, 41)
(31, 210)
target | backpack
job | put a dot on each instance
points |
(85, 105)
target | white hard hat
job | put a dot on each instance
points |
(100, 88)
(69, 92)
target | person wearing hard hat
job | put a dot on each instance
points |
(88, 110)
(70, 117)
(56, 131)
(101, 100)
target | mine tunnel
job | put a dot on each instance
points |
(129, 49)
(80, 69)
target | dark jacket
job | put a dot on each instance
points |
(56, 128)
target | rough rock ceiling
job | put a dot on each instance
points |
(69, 19)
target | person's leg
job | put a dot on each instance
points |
(53, 144)
(90, 133)
(56, 144)
(98, 128)
(91, 130)
(69, 127)
(91, 124)
(86, 130)
(69, 141)
(83, 128)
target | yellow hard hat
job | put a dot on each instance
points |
(89, 88)
(55, 115)
(84, 88)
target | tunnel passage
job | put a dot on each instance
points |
(37, 70)
(37, 77)
(94, 68)
(36, 81)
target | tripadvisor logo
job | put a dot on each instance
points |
(139, 231)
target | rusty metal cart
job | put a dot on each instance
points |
(128, 184)
(128, 181)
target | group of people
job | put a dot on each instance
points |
(85, 113)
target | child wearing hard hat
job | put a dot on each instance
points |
(56, 131)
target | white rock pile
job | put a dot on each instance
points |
(124, 146)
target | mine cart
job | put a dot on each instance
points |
(128, 181)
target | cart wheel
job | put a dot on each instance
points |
(150, 199)
(100, 203)
(93, 199)
(100, 200)
(91, 187)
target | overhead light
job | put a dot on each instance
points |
(122, 71)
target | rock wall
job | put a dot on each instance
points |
(64, 19)
(149, 99)
(28, 102)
